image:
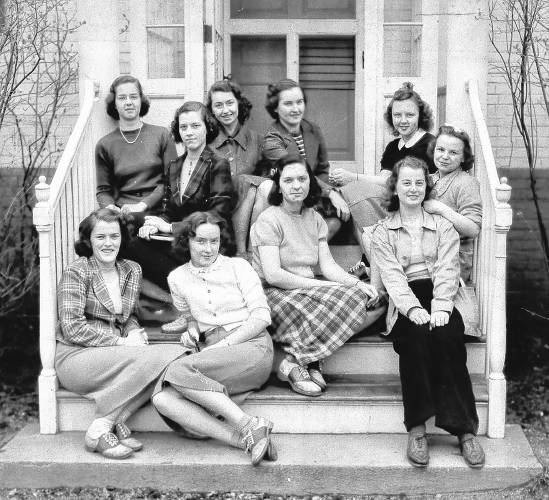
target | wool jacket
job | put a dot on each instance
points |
(85, 309)
(279, 142)
(210, 189)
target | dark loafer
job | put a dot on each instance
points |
(472, 452)
(418, 450)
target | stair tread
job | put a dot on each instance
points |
(350, 388)
(156, 336)
(353, 388)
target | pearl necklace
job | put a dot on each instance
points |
(137, 137)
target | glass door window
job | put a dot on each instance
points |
(256, 62)
(165, 40)
(271, 40)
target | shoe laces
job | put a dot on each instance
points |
(249, 441)
(111, 439)
(303, 372)
(123, 430)
(419, 442)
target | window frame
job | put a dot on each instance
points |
(189, 87)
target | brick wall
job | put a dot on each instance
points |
(527, 281)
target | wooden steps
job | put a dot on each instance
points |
(352, 404)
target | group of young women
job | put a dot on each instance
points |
(233, 189)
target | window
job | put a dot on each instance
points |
(293, 9)
(326, 73)
(402, 34)
(165, 39)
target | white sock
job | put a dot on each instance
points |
(99, 427)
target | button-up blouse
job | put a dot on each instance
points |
(242, 151)
(226, 294)
(391, 253)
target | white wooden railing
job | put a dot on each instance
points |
(60, 207)
(489, 269)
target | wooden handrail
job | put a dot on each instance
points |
(91, 91)
(490, 265)
(60, 206)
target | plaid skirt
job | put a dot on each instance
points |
(312, 323)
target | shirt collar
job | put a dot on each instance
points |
(395, 221)
(205, 270)
(240, 138)
(418, 134)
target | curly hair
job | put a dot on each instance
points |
(405, 93)
(468, 156)
(391, 202)
(212, 128)
(180, 244)
(275, 196)
(83, 246)
(273, 92)
(227, 85)
(111, 96)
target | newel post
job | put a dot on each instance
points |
(47, 381)
(497, 385)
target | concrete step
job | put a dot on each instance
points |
(375, 355)
(308, 464)
(352, 404)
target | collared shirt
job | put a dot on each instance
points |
(226, 294)
(417, 135)
(242, 151)
(391, 254)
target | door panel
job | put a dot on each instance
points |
(327, 74)
(256, 62)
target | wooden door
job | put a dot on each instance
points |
(315, 43)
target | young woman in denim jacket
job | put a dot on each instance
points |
(417, 256)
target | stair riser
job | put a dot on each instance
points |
(380, 358)
(292, 418)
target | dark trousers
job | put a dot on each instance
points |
(433, 370)
(156, 258)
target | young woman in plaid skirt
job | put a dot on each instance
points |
(311, 317)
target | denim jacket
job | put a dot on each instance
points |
(391, 250)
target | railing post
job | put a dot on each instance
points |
(497, 385)
(47, 381)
